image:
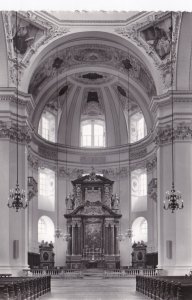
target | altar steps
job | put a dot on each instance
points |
(93, 273)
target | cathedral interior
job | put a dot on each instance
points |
(95, 142)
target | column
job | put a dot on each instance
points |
(112, 239)
(106, 239)
(73, 239)
(14, 225)
(174, 229)
(79, 240)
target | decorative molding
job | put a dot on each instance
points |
(96, 55)
(151, 164)
(9, 130)
(90, 159)
(93, 78)
(47, 153)
(133, 32)
(32, 188)
(181, 131)
(152, 189)
(136, 154)
(48, 30)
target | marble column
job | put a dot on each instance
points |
(174, 229)
(79, 240)
(14, 225)
(112, 239)
(73, 239)
(106, 239)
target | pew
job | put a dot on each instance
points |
(165, 287)
(23, 288)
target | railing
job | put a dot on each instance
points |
(42, 272)
(55, 273)
(72, 273)
(130, 273)
(69, 274)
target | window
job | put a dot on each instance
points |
(47, 126)
(137, 127)
(46, 230)
(139, 190)
(93, 133)
(46, 191)
(140, 228)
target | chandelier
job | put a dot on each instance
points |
(173, 197)
(56, 65)
(17, 198)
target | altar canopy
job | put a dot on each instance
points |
(93, 214)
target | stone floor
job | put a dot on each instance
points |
(94, 289)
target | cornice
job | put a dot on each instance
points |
(76, 22)
(25, 100)
(165, 99)
(137, 147)
(74, 170)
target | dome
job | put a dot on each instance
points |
(95, 77)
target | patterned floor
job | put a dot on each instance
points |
(94, 289)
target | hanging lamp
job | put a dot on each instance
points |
(56, 65)
(173, 197)
(129, 232)
(17, 199)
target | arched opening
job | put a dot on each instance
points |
(46, 190)
(46, 230)
(140, 230)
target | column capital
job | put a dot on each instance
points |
(181, 131)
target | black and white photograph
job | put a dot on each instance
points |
(95, 151)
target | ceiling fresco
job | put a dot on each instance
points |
(92, 55)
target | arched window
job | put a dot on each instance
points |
(93, 133)
(46, 190)
(46, 230)
(139, 229)
(137, 127)
(47, 126)
(139, 190)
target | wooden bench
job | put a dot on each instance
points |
(24, 288)
(165, 287)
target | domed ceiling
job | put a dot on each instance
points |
(122, 57)
(70, 73)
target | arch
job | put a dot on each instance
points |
(184, 54)
(110, 39)
(140, 230)
(46, 229)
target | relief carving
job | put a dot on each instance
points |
(153, 35)
(9, 130)
(181, 131)
(31, 33)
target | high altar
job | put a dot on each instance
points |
(93, 223)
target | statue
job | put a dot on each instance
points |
(70, 201)
(115, 201)
(112, 201)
